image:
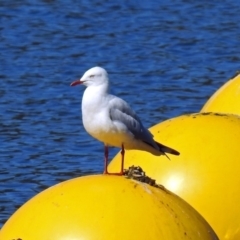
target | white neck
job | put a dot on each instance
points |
(94, 97)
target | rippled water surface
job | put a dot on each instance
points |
(164, 57)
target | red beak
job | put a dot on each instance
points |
(76, 83)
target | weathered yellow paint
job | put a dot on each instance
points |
(207, 172)
(106, 207)
(226, 99)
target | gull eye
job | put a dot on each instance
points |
(91, 76)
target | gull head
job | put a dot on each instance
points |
(93, 77)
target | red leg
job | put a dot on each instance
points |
(122, 163)
(105, 159)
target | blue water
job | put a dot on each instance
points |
(164, 57)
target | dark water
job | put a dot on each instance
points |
(164, 57)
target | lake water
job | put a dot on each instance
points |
(164, 57)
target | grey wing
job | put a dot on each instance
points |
(120, 111)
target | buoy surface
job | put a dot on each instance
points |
(106, 207)
(226, 99)
(206, 174)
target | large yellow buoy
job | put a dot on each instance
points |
(206, 174)
(106, 207)
(226, 99)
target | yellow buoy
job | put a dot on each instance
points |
(106, 207)
(206, 174)
(226, 99)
